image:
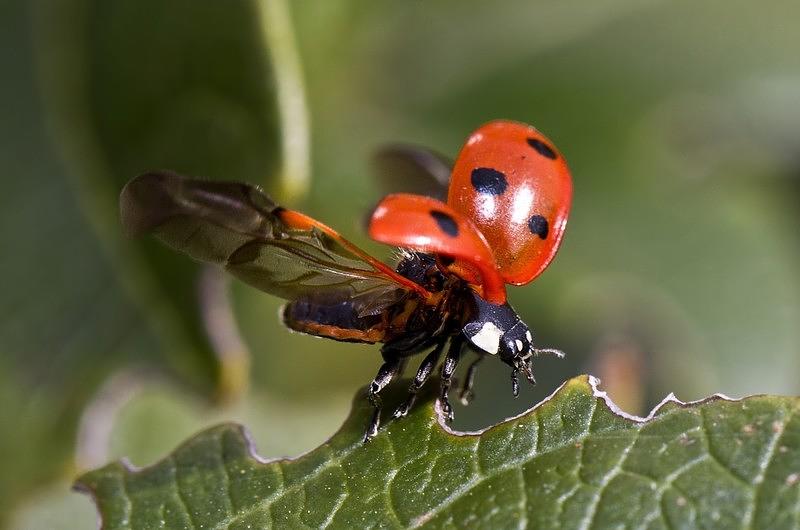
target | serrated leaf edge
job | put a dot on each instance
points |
(594, 384)
(591, 380)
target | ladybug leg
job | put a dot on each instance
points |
(448, 369)
(423, 373)
(389, 369)
(466, 395)
(515, 382)
(527, 371)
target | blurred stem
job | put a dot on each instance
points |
(93, 438)
(220, 325)
(279, 40)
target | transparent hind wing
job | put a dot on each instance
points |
(238, 227)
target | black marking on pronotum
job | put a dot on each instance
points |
(542, 148)
(445, 222)
(488, 180)
(539, 226)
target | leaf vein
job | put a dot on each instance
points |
(763, 464)
(126, 495)
(667, 483)
(591, 511)
(427, 516)
(715, 457)
(265, 503)
(387, 494)
(523, 505)
(339, 502)
(181, 499)
(227, 475)
(563, 498)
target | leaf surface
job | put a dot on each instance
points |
(573, 461)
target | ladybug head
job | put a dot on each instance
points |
(515, 344)
(496, 329)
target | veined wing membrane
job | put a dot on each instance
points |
(304, 265)
(238, 227)
(208, 220)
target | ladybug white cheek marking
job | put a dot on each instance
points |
(488, 338)
(519, 344)
(529, 336)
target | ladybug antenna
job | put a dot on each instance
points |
(550, 351)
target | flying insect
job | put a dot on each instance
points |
(508, 199)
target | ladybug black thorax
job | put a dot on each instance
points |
(418, 323)
(421, 268)
(491, 328)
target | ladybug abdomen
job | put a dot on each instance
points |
(338, 320)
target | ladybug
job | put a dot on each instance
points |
(508, 197)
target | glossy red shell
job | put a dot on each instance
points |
(515, 187)
(429, 225)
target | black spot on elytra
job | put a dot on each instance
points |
(445, 222)
(539, 226)
(488, 180)
(542, 148)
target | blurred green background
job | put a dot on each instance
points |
(680, 270)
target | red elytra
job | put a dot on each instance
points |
(507, 206)
(429, 225)
(515, 187)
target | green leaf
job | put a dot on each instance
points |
(573, 461)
